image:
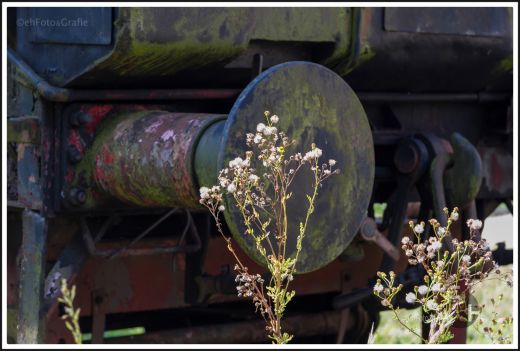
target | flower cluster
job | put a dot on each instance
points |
(247, 283)
(262, 199)
(454, 269)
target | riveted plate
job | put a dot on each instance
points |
(314, 105)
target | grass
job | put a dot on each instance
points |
(390, 332)
(116, 333)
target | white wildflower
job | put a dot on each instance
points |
(419, 228)
(231, 188)
(409, 253)
(253, 178)
(237, 162)
(410, 297)
(221, 208)
(474, 224)
(332, 162)
(423, 289)
(223, 182)
(260, 127)
(440, 264)
(378, 288)
(204, 192)
(326, 172)
(274, 119)
(436, 245)
(405, 240)
(441, 231)
(454, 216)
(257, 139)
(269, 131)
(436, 288)
(431, 305)
(466, 259)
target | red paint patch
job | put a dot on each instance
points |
(69, 177)
(107, 156)
(98, 169)
(98, 113)
(75, 139)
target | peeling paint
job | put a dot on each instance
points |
(144, 158)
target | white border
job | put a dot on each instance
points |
(258, 4)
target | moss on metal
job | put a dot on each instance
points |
(145, 159)
(314, 105)
(504, 66)
(156, 42)
(162, 42)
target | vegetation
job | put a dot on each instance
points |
(262, 197)
(454, 271)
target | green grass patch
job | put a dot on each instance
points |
(116, 333)
(379, 209)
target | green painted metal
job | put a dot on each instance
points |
(463, 179)
(30, 328)
(314, 105)
(163, 41)
(206, 154)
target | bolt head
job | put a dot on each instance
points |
(77, 196)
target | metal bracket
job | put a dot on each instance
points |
(90, 242)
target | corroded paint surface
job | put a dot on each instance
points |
(32, 272)
(497, 172)
(163, 41)
(314, 105)
(145, 158)
(23, 130)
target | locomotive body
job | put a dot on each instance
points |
(116, 116)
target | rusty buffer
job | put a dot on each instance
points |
(160, 159)
(146, 158)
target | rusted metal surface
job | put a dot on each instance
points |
(145, 159)
(243, 332)
(31, 276)
(497, 172)
(57, 94)
(99, 301)
(23, 134)
(369, 232)
(480, 97)
(154, 44)
(330, 276)
(29, 187)
(131, 284)
(410, 159)
(23, 130)
(67, 266)
(129, 249)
